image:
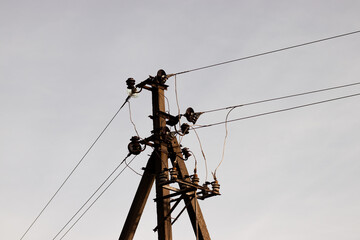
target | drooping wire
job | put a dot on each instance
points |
(202, 152)
(266, 53)
(194, 159)
(277, 111)
(132, 169)
(225, 138)
(167, 101)
(176, 95)
(283, 97)
(86, 202)
(73, 170)
(132, 122)
(177, 103)
(87, 209)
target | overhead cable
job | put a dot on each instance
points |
(266, 53)
(283, 97)
(112, 173)
(277, 111)
(98, 197)
(132, 169)
(73, 170)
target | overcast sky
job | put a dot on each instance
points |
(63, 67)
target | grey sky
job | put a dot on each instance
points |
(63, 66)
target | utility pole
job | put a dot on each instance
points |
(166, 147)
(159, 131)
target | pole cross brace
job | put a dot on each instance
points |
(204, 192)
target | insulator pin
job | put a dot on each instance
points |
(161, 77)
(215, 187)
(185, 128)
(191, 115)
(195, 179)
(130, 83)
(186, 152)
(134, 146)
(206, 189)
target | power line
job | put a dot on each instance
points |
(266, 53)
(137, 173)
(277, 111)
(283, 97)
(73, 170)
(97, 199)
(92, 196)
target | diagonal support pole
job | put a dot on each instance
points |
(139, 202)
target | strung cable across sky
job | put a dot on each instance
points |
(267, 53)
(73, 170)
(283, 97)
(231, 108)
(277, 111)
(278, 98)
(98, 197)
(88, 200)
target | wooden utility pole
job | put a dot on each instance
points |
(159, 123)
(165, 146)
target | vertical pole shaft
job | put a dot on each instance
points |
(159, 123)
